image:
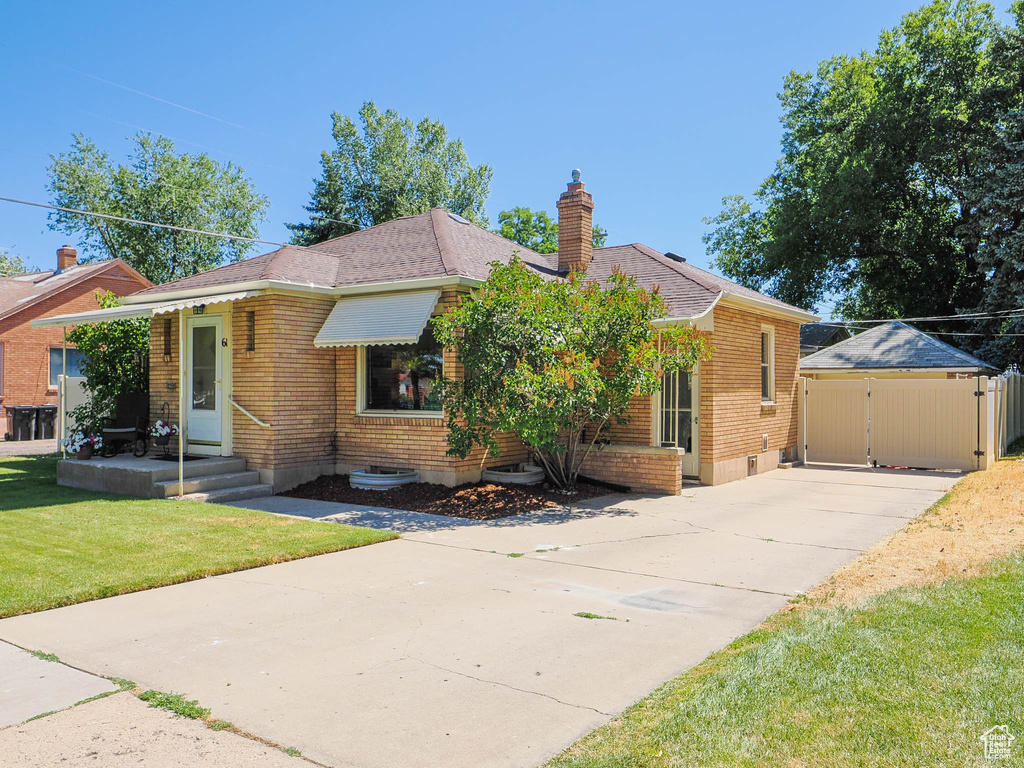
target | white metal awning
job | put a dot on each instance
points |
(147, 309)
(393, 318)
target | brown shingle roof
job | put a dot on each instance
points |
(438, 244)
(20, 291)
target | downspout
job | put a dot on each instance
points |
(181, 402)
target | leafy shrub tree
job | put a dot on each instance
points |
(11, 263)
(556, 362)
(116, 360)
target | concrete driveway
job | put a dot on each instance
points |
(444, 649)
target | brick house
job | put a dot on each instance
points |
(31, 358)
(304, 361)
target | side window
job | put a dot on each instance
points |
(75, 359)
(767, 364)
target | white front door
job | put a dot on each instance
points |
(203, 378)
(678, 409)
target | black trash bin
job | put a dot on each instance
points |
(45, 422)
(9, 422)
(24, 418)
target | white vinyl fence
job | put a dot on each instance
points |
(926, 423)
(71, 394)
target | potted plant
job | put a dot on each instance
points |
(83, 445)
(162, 432)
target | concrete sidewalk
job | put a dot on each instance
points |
(459, 645)
(121, 731)
(27, 447)
(30, 686)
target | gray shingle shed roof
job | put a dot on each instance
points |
(892, 345)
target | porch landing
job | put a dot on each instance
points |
(206, 479)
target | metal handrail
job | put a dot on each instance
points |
(261, 423)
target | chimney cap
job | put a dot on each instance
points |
(576, 176)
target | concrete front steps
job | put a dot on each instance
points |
(216, 480)
(211, 479)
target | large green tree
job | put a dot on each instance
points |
(386, 168)
(995, 227)
(869, 197)
(556, 362)
(536, 230)
(11, 263)
(156, 185)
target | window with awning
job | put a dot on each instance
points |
(393, 318)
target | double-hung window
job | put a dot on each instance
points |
(767, 364)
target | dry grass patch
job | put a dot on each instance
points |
(981, 519)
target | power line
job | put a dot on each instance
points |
(990, 315)
(156, 98)
(114, 120)
(127, 220)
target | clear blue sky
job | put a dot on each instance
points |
(666, 107)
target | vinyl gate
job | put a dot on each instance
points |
(927, 423)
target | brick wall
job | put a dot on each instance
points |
(652, 471)
(302, 400)
(638, 430)
(163, 371)
(732, 417)
(26, 355)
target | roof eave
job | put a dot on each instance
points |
(897, 369)
(769, 308)
(285, 286)
(690, 319)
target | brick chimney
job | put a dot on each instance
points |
(66, 257)
(575, 227)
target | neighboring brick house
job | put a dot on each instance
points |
(305, 361)
(30, 358)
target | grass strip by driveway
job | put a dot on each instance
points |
(60, 546)
(915, 677)
(851, 676)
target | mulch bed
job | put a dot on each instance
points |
(475, 501)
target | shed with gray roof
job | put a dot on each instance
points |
(892, 350)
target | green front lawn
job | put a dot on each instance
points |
(912, 677)
(60, 545)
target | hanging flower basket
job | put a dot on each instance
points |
(162, 432)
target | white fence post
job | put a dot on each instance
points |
(801, 436)
(991, 413)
